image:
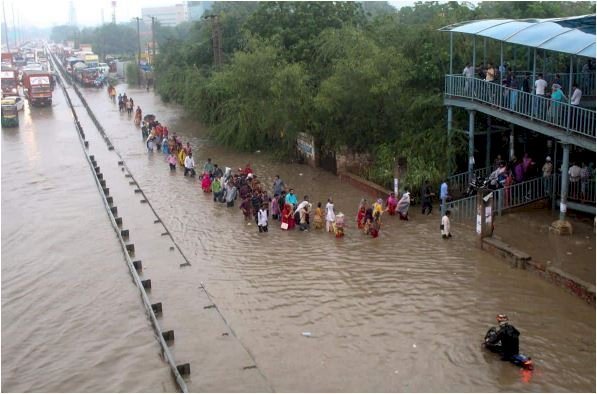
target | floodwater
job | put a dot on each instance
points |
(72, 320)
(404, 312)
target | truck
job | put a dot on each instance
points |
(91, 60)
(38, 87)
(7, 57)
(9, 81)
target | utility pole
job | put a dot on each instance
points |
(5, 28)
(14, 26)
(152, 40)
(216, 37)
(139, 52)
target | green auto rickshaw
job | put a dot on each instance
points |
(10, 114)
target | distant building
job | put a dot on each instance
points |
(178, 13)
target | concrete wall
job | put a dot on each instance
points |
(347, 161)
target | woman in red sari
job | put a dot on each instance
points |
(361, 214)
(287, 216)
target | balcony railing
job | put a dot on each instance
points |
(585, 81)
(532, 106)
(582, 191)
(458, 183)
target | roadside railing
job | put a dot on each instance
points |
(463, 210)
(544, 109)
(582, 191)
(458, 183)
(523, 193)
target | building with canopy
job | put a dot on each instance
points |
(570, 42)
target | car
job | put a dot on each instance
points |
(19, 102)
(104, 68)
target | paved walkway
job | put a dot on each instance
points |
(527, 229)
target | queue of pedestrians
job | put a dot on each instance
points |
(281, 207)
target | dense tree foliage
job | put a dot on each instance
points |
(363, 76)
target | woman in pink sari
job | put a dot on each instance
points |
(206, 183)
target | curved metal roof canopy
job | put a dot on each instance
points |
(574, 35)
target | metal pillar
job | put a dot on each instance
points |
(484, 51)
(564, 185)
(554, 162)
(475, 52)
(511, 143)
(451, 44)
(568, 120)
(534, 99)
(449, 122)
(502, 58)
(488, 144)
(471, 143)
(139, 52)
(528, 58)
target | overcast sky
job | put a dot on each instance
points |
(44, 13)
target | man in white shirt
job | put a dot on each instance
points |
(469, 73)
(189, 165)
(574, 172)
(576, 95)
(540, 85)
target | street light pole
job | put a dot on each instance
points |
(139, 52)
(153, 39)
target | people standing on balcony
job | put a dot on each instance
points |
(519, 172)
(540, 86)
(469, 73)
(574, 173)
(556, 113)
(502, 68)
(557, 80)
(575, 101)
(505, 94)
(576, 95)
(547, 170)
(514, 86)
(585, 174)
(490, 77)
(481, 71)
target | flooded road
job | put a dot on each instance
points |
(72, 320)
(403, 312)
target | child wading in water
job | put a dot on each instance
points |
(445, 226)
(262, 219)
(172, 161)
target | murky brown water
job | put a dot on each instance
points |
(72, 320)
(403, 312)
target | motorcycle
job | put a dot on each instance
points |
(519, 359)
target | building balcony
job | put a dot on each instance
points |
(568, 123)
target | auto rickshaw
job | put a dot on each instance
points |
(10, 115)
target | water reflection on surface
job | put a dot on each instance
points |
(404, 312)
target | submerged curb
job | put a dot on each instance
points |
(518, 259)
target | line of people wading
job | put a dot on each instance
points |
(256, 203)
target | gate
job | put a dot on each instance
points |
(327, 161)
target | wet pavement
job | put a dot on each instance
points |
(528, 230)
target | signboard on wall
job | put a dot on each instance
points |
(305, 145)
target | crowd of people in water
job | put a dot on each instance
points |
(257, 204)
